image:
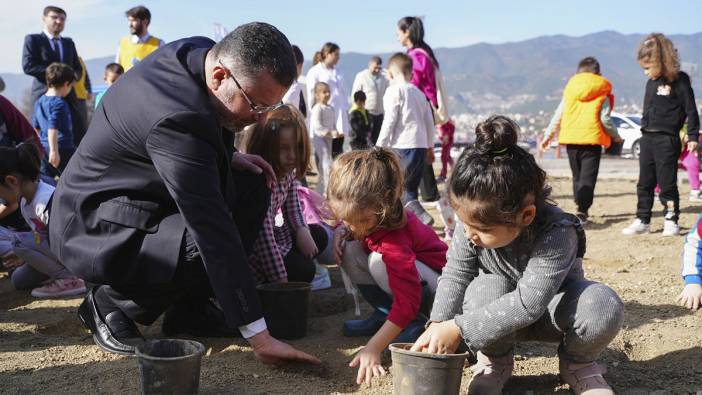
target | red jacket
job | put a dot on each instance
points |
(400, 249)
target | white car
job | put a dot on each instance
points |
(629, 127)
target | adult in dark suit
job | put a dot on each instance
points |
(42, 49)
(149, 206)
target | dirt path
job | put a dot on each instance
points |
(43, 348)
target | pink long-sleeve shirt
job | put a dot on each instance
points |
(423, 75)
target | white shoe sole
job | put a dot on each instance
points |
(68, 292)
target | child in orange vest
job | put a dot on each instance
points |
(582, 121)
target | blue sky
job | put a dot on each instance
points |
(358, 26)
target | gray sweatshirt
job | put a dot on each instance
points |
(539, 262)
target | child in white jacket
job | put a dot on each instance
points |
(408, 128)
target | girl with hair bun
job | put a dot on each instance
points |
(514, 271)
(28, 253)
(391, 257)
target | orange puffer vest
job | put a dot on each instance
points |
(583, 97)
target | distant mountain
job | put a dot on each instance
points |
(521, 76)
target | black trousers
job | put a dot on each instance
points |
(190, 284)
(376, 122)
(428, 188)
(337, 146)
(300, 267)
(584, 165)
(658, 163)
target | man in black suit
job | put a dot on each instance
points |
(149, 206)
(42, 49)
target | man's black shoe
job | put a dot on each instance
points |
(197, 319)
(115, 333)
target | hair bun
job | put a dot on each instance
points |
(496, 135)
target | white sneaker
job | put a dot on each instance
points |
(695, 196)
(670, 228)
(636, 228)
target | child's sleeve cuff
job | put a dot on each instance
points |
(693, 279)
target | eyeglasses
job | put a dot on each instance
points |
(256, 109)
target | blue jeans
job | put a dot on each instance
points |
(412, 161)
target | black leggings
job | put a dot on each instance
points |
(300, 267)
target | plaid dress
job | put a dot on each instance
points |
(275, 242)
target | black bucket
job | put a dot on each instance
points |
(419, 373)
(170, 366)
(286, 307)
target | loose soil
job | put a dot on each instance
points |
(44, 349)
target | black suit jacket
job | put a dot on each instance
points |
(154, 162)
(37, 55)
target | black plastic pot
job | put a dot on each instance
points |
(286, 308)
(170, 366)
(419, 373)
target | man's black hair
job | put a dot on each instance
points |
(359, 96)
(257, 47)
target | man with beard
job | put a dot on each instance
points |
(139, 44)
(156, 207)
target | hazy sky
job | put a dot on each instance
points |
(358, 26)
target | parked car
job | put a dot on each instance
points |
(629, 127)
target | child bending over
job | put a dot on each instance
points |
(389, 254)
(514, 271)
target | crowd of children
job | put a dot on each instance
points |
(513, 270)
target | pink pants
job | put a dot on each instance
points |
(692, 164)
(446, 155)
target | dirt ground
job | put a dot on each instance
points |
(44, 349)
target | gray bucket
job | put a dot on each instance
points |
(170, 366)
(419, 373)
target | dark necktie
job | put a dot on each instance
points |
(57, 49)
(302, 106)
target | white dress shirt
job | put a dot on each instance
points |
(374, 87)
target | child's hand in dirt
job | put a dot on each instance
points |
(439, 338)
(12, 261)
(368, 362)
(305, 242)
(340, 234)
(691, 296)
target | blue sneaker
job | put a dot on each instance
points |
(411, 332)
(367, 327)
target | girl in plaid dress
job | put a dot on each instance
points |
(285, 253)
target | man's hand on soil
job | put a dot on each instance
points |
(272, 351)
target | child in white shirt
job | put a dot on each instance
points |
(19, 183)
(408, 128)
(323, 126)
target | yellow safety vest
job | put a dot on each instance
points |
(130, 54)
(79, 86)
(583, 98)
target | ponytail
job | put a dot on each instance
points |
(327, 49)
(22, 160)
(415, 27)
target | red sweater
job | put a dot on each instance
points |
(400, 249)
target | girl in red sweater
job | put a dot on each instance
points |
(391, 257)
